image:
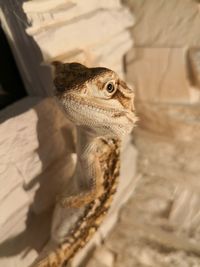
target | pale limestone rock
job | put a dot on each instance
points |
(44, 5)
(83, 34)
(185, 213)
(146, 238)
(94, 262)
(45, 14)
(105, 256)
(52, 181)
(159, 75)
(177, 161)
(18, 260)
(194, 94)
(104, 47)
(10, 178)
(13, 209)
(43, 133)
(24, 142)
(101, 258)
(175, 24)
(111, 53)
(177, 122)
(170, 156)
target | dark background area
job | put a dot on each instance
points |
(11, 85)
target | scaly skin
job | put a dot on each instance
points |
(101, 106)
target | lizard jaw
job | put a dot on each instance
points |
(106, 120)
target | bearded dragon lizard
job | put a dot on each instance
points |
(101, 106)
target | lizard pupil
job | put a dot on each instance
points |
(110, 88)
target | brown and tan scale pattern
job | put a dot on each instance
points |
(95, 211)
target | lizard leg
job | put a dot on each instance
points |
(79, 200)
(85, 197)
(90, 166)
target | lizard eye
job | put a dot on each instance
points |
(110, 87)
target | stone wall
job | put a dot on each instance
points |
(37, 142)
(164, 66)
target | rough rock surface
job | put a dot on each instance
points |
(160, 75)
(175, 24)
(36, 149)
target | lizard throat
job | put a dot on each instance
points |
(106, 120)
(88, 103)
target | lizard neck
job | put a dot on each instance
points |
(89, 149)
(84, 139)
(84, 151)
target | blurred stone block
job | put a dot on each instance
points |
(159, 75)
(176, 161)
(177, 122)
(175, 24)
(101, 258)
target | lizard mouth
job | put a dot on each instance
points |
(85, 111)
(80, 102)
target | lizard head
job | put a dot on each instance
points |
(95, 98)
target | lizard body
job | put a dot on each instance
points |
(101, 106)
